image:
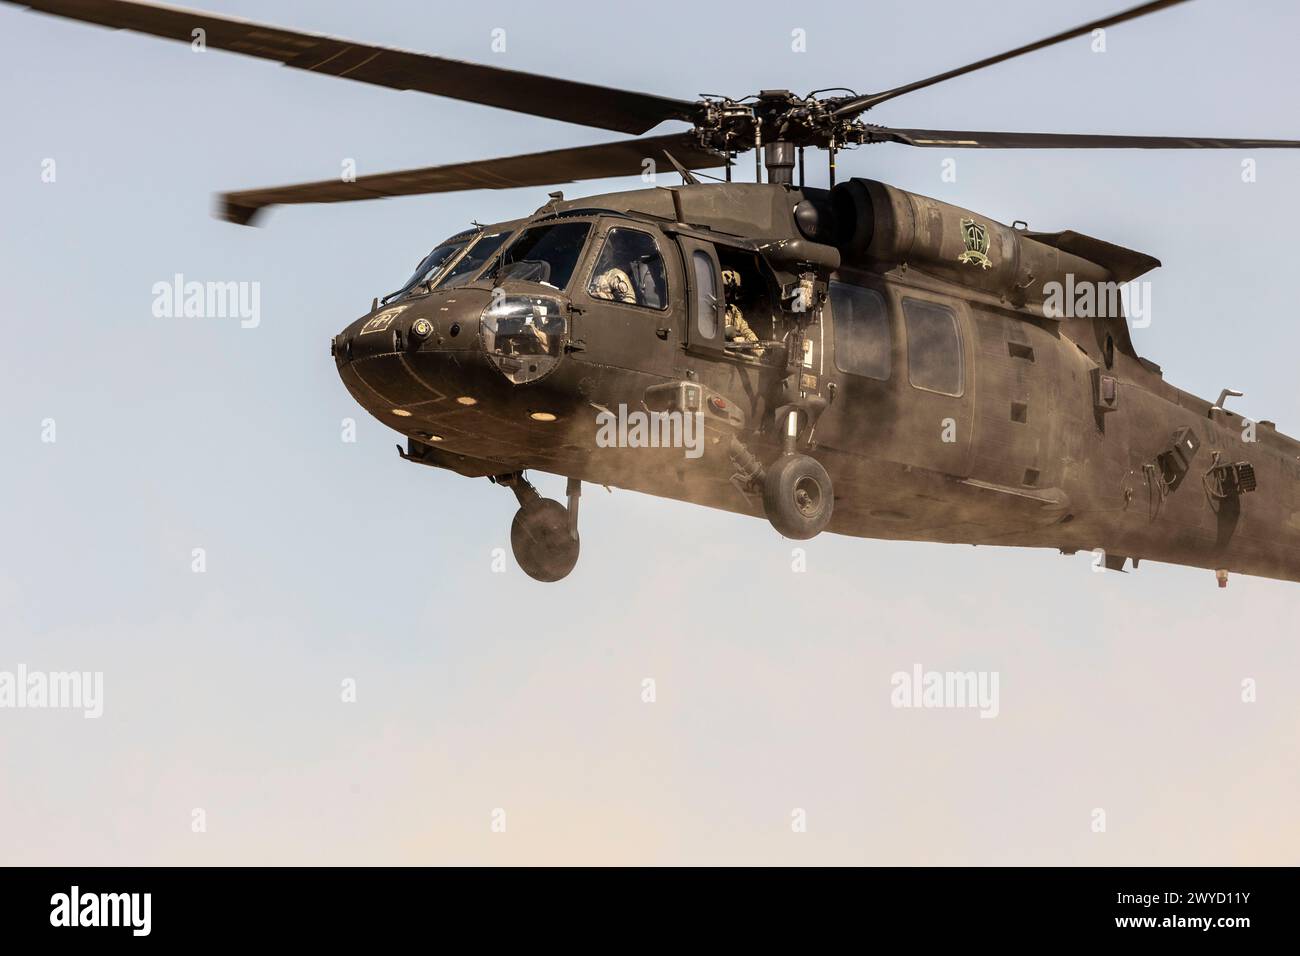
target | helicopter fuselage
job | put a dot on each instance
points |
(947, 413)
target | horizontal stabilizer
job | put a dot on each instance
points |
(1124, 264)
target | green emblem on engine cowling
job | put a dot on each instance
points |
(976, 236)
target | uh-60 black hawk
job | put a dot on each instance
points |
(859, 359)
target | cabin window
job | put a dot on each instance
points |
(862, 341)
(630, 270)
(706, 294)
(934, 360)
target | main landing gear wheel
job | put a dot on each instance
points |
(544, 534)
(797, 496)
(541, 540)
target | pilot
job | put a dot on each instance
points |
(738, 329)
(614, 284)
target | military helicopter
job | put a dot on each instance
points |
(859, 359)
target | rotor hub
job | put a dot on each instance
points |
(730, 125)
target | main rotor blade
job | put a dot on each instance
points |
(622, 158)
(966, 139)
(602, 107)
(860, 103)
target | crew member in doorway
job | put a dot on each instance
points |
(738, 329)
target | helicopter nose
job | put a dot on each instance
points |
(340, 346)
(378, 333)
(439, 323)
(410, 359)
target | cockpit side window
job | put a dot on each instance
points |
(863, 344)
(546, 254)
(706, 294)
(630, 270)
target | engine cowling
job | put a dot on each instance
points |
(879, 227)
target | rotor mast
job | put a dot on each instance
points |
(779, 125)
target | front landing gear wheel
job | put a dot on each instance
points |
(797, 496)
(543, 544)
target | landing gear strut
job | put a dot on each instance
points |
(544, 533)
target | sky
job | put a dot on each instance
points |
(496, 720)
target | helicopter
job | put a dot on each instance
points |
(858, 360)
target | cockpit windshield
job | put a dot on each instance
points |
(480, 252)
(432, 264)
(546, 254)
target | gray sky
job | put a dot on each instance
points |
(329, 561)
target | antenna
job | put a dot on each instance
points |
(688, 179)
